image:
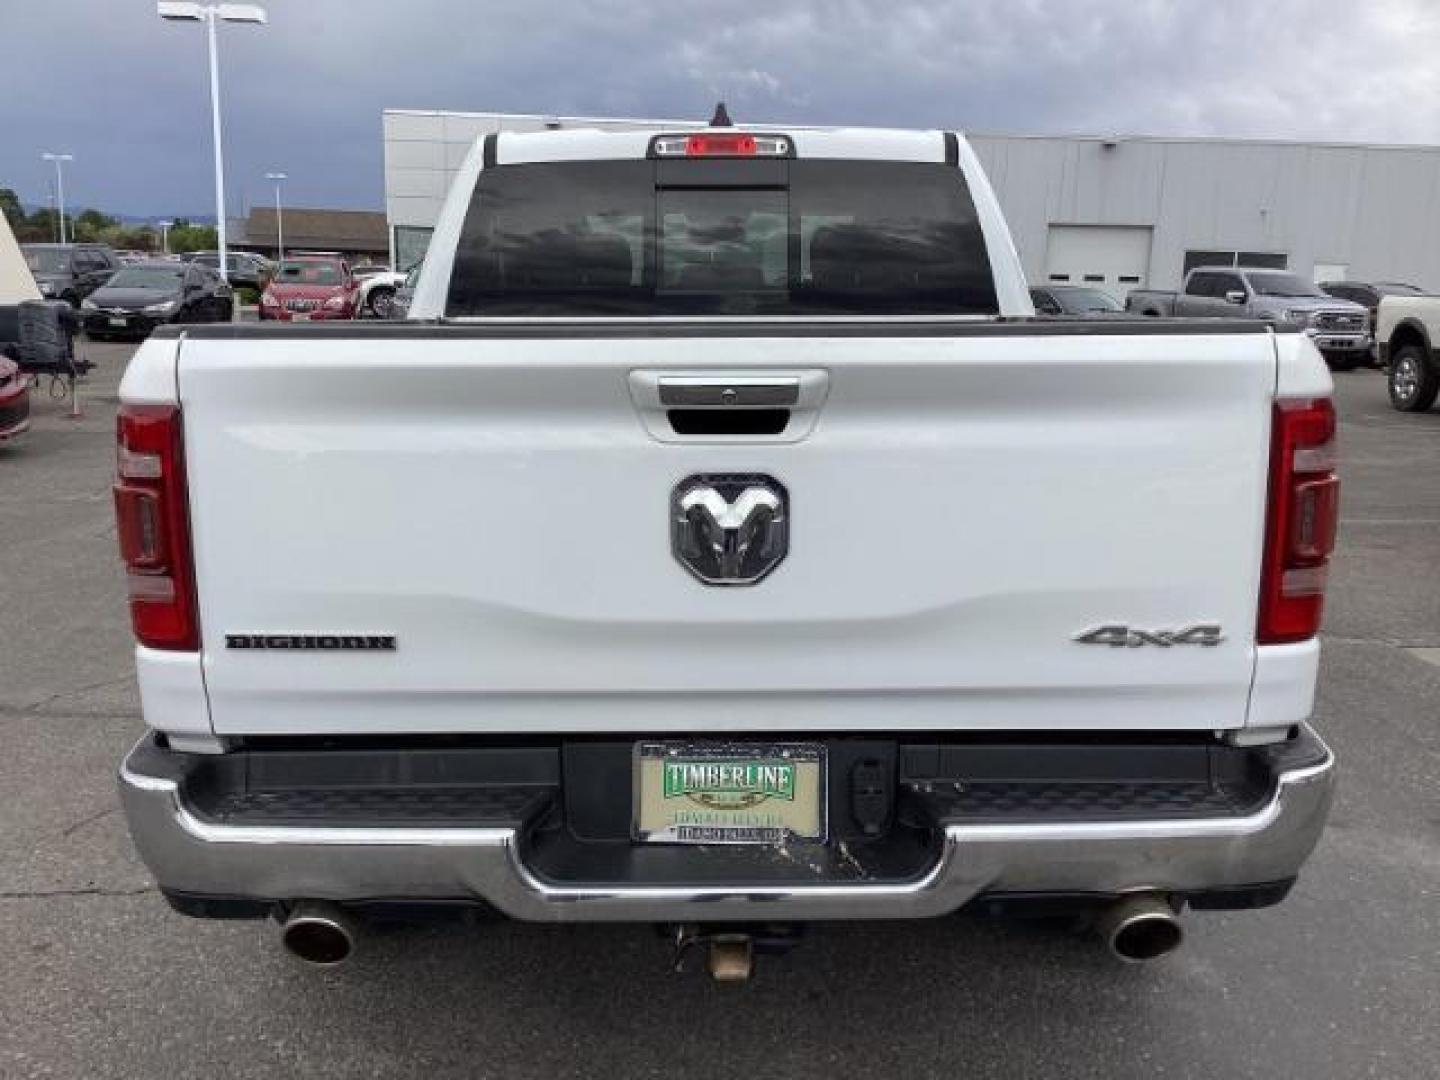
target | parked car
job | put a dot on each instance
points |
(311, 288)
(145, 295)
(70, 272)
(1408, 331)
(1075, 301)
(1340, 328)
(245, 270)
(14, 401)
(377, 293)
(499, 608)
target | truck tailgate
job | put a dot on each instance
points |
(968, 501)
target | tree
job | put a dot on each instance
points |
(89, 225)
(187, 237)
(10, 206)
(41, 227)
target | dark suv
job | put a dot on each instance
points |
(1370, 293)
(245, 271)
(70, 272)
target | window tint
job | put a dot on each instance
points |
(1201, 284)
(1044, 303)
(311, 272)
(1277, 284)
(721, 238)
(46, 260)
(1350, 292)
(146, 276)
(1082, 301)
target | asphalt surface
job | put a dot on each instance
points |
(99, 979)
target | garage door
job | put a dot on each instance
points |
(1113, 258)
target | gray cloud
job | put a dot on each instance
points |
(126, 93)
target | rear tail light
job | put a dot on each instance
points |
(153, 522)
(1301, 522)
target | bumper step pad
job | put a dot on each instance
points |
(470, 806)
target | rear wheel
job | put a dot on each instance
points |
(1413, 382)
(381, 302)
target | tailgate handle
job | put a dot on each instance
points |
(729, 405)
(684, 393)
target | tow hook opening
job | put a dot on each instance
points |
(729, 951)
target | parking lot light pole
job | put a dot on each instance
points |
(59, 160)
(279, 216)
(165, 236)
(210, 14)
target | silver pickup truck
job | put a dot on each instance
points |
(1341, 328)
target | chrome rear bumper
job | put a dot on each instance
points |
(190, 855)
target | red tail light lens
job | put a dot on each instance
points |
(153, 522)
(720, 146)
(1303, 516)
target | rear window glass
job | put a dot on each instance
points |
(637, 238)
(148, 277)
(47, 260)
(311, 273)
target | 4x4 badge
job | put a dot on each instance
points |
(1125, 637)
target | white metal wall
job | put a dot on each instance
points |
(1375, 209)
(1370, 208)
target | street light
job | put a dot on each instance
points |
(209, 14)
(59, 160)
(279, 216)
(165, 235)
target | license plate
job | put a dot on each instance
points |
(729, 793)
(118, 322)
(300, 316)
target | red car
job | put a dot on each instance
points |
(14, 400)
(311, 288)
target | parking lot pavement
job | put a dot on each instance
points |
(98, 979)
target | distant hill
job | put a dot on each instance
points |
(127, 219)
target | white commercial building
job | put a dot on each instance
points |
(1118, 213)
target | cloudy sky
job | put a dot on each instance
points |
(126, 93)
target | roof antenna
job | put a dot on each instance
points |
(721, 117)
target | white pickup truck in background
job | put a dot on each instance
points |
(722, 543)
(1407, 329)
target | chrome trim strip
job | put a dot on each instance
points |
(188, 854)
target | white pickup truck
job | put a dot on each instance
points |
(1407, 328)
(722, 544)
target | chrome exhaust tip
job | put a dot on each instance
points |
(1140, 928)
(319, 933)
